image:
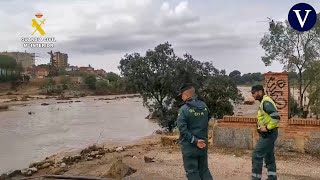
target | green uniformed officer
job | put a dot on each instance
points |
(268, 122)
(193, 120)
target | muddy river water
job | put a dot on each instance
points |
(25, 137)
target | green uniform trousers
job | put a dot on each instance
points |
(196, 164)
(264, 150)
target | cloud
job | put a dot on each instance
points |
(125, 32)
(209, 30)
(165, 6)
(177, 16)
(105, 44)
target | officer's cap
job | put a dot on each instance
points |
(257, 88)
(185, 87)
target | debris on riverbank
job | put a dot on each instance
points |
(119, 170)
(159, 157)
(58, 166)
(249, 102)
(4, 107)
(118, 97)
(63, 98)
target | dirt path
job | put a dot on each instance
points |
(225, 164)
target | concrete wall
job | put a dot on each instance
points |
(298, 135)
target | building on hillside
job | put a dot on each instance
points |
(77, 80)
(100, 72)
(88, 70)
(27, 60)
(60, 60)
(72, 68)
(30, 72)
(41, 72)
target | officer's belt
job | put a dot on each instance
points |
(265, 134)
(269, 130)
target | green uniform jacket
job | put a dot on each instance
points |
(193, 120)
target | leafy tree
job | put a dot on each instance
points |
(47, 66)
(49, 83)
(246, 78)
(313, 74)
(112, 77)
(49, 86)
(293, 78)
(236, 76)
(251, 78)
(26, 78)
(117, 84)
(223, 72)
(10, 71)
(9, 78)
(7, 63)
(124, 86)
(90, 81)
(66, 82)
(295, 50)
(315, 104)
(218, 92)
(158, 75)
(293, 107)
(235, 73)
(154, 77)
(19, 68)
(102, 87)
(257, 77)
(292, 75)
(62, 71)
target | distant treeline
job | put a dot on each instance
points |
(256, 78)
(9, 69)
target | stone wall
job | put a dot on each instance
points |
(298, 135)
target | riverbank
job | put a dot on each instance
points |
(153, 158)
(36, 128)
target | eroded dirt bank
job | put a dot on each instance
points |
(149, 159)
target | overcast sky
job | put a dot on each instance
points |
(100, 32)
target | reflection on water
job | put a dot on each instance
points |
(58, 127)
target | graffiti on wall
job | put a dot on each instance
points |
(275, 90)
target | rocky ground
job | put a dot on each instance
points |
(159, 158)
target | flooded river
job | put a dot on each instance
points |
(62, 127)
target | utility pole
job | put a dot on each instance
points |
(51, 65)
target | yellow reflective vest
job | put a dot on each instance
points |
(264, 119)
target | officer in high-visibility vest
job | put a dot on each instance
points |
(193, 121)
(268, 122)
